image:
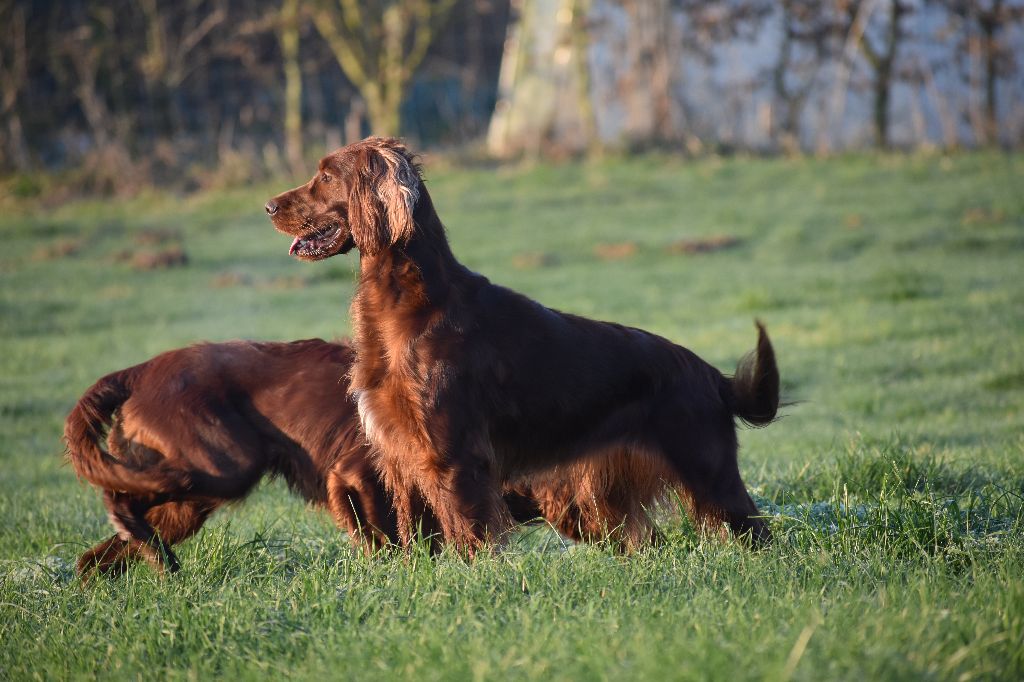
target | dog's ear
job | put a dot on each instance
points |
(383, 200)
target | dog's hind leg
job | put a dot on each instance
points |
(173, 522)
(402, 491)
(178, 521)
(110, 557)
(128, 516)
(360, 507)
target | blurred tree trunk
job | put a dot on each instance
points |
(545, 98)
(579, 26)
(647, 84)
(84, 57)
(579, 74)
(176, 46)
(76, 66)
(805, 45)
(788, 103)
(13, 75)
(379, 45)
(989, 22)
(947, 120)
(851, 30)
(995, 20)
(984, 29)
(882, 60)
(288, 36)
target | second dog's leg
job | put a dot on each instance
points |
(359, 506)
(109, 557)
(402, 491)
(174, 522)
(128, 516)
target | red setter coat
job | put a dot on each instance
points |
(465, 386)
(197, 427)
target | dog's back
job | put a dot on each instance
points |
(232, 412)
(220, 414)
(196, 427)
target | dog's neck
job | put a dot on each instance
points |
(412, 280)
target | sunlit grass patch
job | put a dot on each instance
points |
(890, 286)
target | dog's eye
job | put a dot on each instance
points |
(325, 178)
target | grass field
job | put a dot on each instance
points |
(893, 288)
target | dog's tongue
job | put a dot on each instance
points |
(294, 246)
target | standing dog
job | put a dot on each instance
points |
(197, 427)
(464, 385)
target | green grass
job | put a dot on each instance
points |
(892, 286)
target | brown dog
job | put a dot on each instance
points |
(197, 427)
(464, 385)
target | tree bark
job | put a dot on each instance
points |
(854, 40)
(989, 22)
(13, 76)
(588, 121)
(379, 52)
(288, 37)
(883, 62)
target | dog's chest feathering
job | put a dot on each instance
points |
(366, 417)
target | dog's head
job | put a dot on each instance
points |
(362, 195)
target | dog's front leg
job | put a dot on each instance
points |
(394, 470)
(458, 484)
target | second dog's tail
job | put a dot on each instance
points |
(87, 426)
(755, 386)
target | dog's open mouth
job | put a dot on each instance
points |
(321, 243)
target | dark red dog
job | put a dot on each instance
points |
(195, 428)
(464, 385)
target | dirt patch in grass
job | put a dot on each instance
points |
(61, 248)
(286, 282)
(114, 292)
(231, 279)
(704, 244)
(980, 215)
(155, 249)
(532, 260)
(157, 236)
(158, 259)
(616, 251)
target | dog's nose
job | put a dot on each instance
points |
(271, 207)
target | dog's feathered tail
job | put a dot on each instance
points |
(755, 386)
(87, 426)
